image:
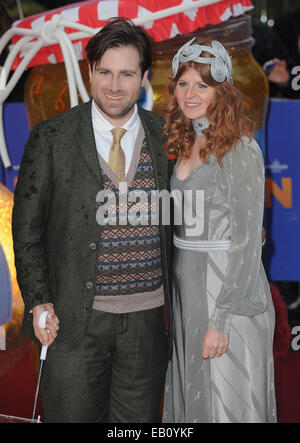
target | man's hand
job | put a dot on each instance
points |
(48, 335)
(215, 344)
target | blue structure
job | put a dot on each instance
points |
(283, 191)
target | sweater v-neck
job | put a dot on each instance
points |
(133, 164)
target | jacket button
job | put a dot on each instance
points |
(89, 285)
(93, 246)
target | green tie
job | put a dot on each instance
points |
(116, 154)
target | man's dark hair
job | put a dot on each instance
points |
(117, 33)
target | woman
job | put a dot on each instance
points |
(222, 365)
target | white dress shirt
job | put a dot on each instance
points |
(104, 138)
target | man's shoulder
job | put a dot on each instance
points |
(151, 117)
(65, 119)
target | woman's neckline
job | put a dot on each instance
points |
(189, 175)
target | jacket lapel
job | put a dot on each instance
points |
(155, 140)
(84, 136)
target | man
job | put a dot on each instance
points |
(106, 285)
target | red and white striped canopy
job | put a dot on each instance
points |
(95, 13)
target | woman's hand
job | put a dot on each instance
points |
(215, 344)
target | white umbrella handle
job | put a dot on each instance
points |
(42, 324)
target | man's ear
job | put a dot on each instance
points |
(144, 79)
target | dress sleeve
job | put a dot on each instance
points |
(241, 179)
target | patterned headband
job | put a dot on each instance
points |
(221, 65)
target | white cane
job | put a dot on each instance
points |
(42, 324)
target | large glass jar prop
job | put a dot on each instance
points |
(46, 91)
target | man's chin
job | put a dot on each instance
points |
(115, 114)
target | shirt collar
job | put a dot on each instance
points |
(104, 125)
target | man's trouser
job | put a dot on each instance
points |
(115, 375)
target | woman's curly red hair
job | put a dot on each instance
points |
(227, 115)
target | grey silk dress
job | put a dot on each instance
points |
(218, 265)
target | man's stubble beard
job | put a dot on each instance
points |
(121, 114)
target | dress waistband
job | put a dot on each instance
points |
(201, 245)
